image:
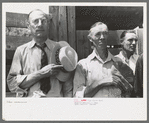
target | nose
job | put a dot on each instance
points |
(101, 36)
(39, 22)
(134, 42)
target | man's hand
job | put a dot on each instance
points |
(121, 81)
(50, 70)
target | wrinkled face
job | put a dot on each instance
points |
(38, 24)
(99, 36)
(130, 41)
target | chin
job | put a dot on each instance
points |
(41, 35)
(132, 51)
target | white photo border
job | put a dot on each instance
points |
(62, 109)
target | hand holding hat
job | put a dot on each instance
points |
(50, 70)
(121, 81)
(66, 56)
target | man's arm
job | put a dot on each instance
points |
(92, 89)
(79, 81)
(47, 71)
(17, 81)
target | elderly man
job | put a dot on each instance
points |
(31, 73)
(94, 74)
(127, 55)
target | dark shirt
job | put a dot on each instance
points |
(138, 84)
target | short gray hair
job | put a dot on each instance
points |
(94, 25)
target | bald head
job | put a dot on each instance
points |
(35, 13)
(38, 24)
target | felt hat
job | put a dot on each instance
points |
(64, 54)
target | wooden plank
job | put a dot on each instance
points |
(16, 20)
(62, 23)
(140, 41)
(114, 39)
(7, 71)
(12, 42)
(72, 27)
(83, 44)
(9, 54)
(53, 26)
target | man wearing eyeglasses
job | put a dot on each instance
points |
(97, 76)
(31, 73)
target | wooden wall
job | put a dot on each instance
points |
(16, 35)
(62, 26)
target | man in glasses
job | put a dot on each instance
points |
(31, 73)
(96, 75)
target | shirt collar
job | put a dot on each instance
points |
(47, 42)
(32, 44)
(134, 56)
(94, 55)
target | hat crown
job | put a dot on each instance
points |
(68, 58)
(65, 55)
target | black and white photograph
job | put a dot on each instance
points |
(63, 60)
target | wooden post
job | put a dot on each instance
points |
(83, 44)
(72, 27)
(62, 23)
(16, 20)
(140, 41)
(53, 26)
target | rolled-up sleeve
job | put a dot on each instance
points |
(15, 76)
(79, 81)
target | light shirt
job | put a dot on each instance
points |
(91, 69)
(131, 62)
(26, 60)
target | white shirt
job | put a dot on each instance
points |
(91, 69)
(131, 62)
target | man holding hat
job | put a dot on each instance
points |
(100, 74)
(32, 74)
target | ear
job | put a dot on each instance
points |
(121, 41)
(28, 25)
(90, 39)
(49, 17)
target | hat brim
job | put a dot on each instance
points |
(62, 76)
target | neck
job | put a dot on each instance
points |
(103, 53)
(41, 40)
(127, 54)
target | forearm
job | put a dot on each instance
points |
(91, 90)
(31, 79)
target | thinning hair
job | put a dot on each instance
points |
(94, 25)
(123, 34)
(48, 16)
